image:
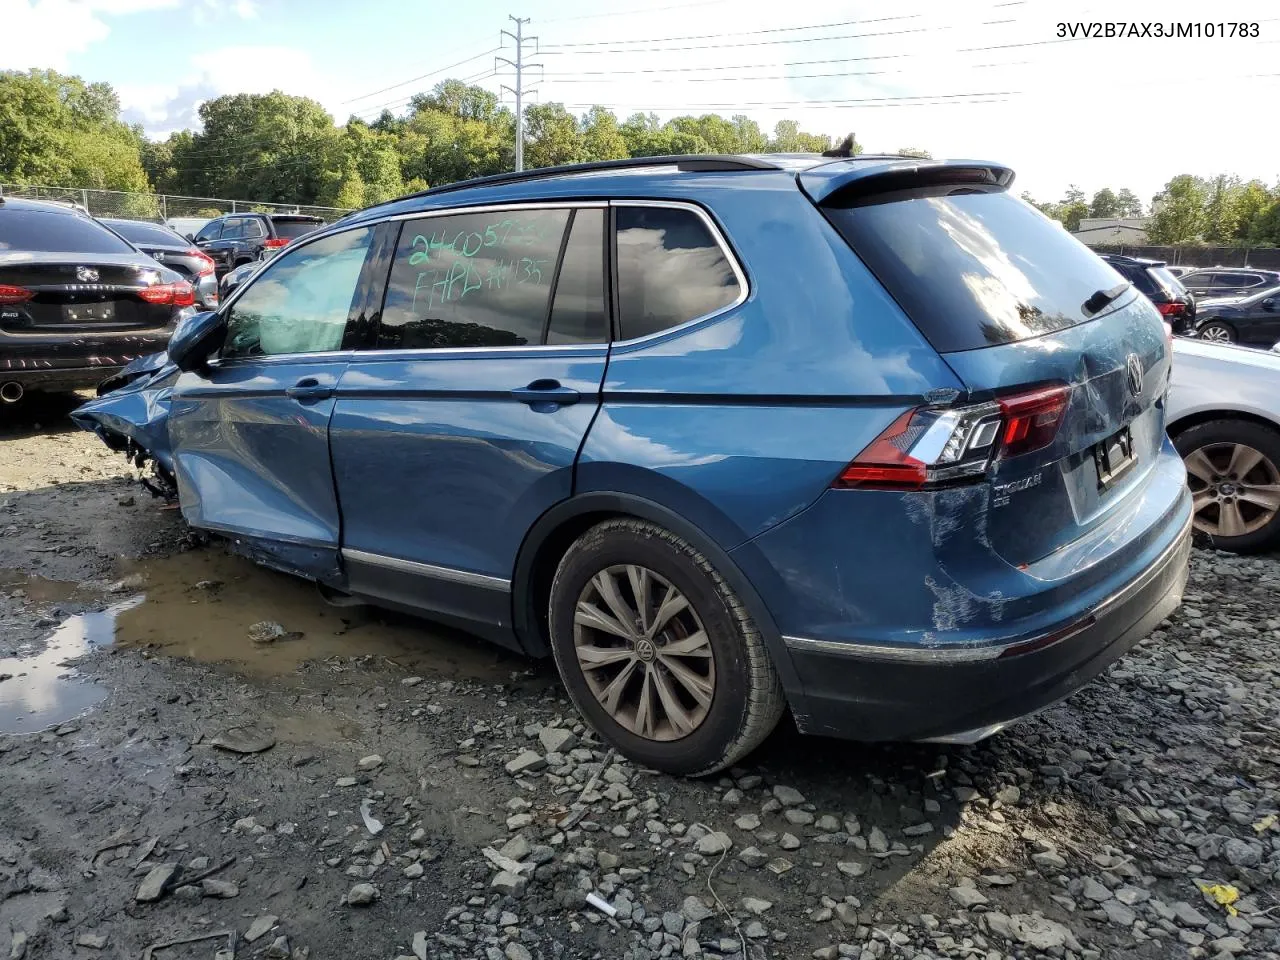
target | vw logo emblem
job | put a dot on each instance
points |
(87, 274)
(1133, 374)
(645, 650)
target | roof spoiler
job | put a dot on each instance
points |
(860, 179)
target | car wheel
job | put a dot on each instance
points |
(1217, 333)
(658, 653)
(1233, 470)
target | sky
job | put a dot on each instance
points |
(985, 79)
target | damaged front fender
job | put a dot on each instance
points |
(131, 414)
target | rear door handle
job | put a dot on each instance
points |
(542, 392)
(309, 390)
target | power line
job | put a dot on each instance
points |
(642, 11)
(738, 33)
(569, 78)
(365, 96)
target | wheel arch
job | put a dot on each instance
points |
(1196, 418)
(552, 534)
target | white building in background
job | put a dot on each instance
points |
(1112, 230)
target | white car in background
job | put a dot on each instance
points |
(1223, 415)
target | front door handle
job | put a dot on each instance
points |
(309, 390)
(546, 392)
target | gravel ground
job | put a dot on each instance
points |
(416, 793)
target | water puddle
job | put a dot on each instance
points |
(34, 588)
(38, 692)
(204, 605)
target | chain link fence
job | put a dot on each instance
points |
(159, 206)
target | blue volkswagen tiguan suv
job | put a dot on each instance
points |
(870, 438)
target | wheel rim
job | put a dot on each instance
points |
(1216, 334)
(1235, 489)
(644, 653)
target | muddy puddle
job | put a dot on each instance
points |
(206, 604)
(37, 691)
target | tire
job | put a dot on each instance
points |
(1208, 450)
(1217, 332)
(746, 698)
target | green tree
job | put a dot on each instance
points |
(1178, 213)
(1127, 203)
(1222, 209)
(60, 131)
(601, 137)
(552, 136)
(788, 138)
(1072, 209)
(915, 152)
(1105, 203)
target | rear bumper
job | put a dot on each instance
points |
(60, 378)
(961, 694)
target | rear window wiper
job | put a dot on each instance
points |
(1102, 298)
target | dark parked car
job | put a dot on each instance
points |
(898, 460)
(1153, 279)
(175, 252)
(1216, 282)
(1253, 321)
(240, 238)
(77, 301)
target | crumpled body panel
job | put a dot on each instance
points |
(132, 412)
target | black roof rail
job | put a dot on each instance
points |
(687, 163)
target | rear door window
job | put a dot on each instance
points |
(253, 229)
(972, 268)
(55, 232)
(232, 230)
(671, 269)
(472, 280)
(578, 312)
(293, 229)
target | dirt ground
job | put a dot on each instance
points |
(412, 791)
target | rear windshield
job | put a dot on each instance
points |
(293, 229)
(973, 269)
(1172, 285)
(52, 232)
(141, 232)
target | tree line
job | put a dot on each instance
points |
(1220, 211)
(58, 130)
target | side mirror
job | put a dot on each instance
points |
(195, 338)
(1269, 303)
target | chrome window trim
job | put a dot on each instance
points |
(744, 287)
(451, 574)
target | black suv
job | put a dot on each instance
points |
(240, 238)
(77, 301)
(1152, 278)
(1229, 281)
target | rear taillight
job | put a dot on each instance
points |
(206, 262)
(272, 243)
(930, 446)
(179, 294)
(12, 294)
(1170, 309)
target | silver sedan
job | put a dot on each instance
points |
(1224, 417)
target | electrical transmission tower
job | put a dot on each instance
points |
(520, 67)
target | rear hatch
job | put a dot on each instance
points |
(1019, 309)
(76, 293)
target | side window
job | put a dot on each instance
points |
(1250, 280)
(232, 230)
(253, 229)
(210, 231)
(578, 313)
(300, 303)
(472, 280)
(670, 270)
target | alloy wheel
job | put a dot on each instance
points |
(1235, 489)
(1216, 333)
(644, 652)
